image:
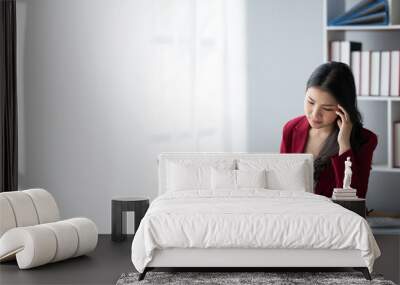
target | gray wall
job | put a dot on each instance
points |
(284, 45)
(104, 86)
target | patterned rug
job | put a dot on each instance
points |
(228, 278)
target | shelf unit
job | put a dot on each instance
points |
(378, 113)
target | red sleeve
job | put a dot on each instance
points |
(361, 166)
(286, 139)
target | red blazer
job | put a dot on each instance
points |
(294, 139)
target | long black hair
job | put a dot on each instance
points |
(337, 79)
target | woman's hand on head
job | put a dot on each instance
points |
(345, 125)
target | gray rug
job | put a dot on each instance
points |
(226, 278)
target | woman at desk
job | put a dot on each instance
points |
(331, 129)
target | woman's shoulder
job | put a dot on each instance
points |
(294, 123)
(370, 138)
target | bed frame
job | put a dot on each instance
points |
(240, 259)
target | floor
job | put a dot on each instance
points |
(103, 266)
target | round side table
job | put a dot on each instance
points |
(119, 207)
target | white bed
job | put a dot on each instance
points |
(283, 225)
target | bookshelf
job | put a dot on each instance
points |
(379, 112)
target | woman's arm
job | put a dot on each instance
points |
(287, 134)
(286, 139)
(361, 166)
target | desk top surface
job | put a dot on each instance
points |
(384, 225)
(130, 199)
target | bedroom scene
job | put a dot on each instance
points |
(200, 142)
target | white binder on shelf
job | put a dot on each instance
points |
(385, 73)
(375, 72)
(365, 86)
(335, 51)
(356, 69)
(396, 144)
(395, 73)
(346, 49)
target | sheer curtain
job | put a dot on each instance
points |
(199, 95)
(8, 97)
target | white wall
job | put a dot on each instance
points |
(104, 86)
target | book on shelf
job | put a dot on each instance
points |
(395, 73)
(335, 51)
(356, 69)
(346, 47)
(372, 19)
(385, 73)
(342, 50)
(396, 144)
(375, 72)
(365, 75)
(365, 12)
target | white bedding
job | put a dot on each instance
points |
(250, 218)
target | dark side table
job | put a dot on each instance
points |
(356, 205)
(119, 207)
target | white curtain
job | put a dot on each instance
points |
(198, 96)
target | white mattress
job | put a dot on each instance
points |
(250, 218)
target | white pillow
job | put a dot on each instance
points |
(223, 179)
(282, 174)
(288, 179)
(237, 179)
(251, 178)
(188, 177)
(193, 173)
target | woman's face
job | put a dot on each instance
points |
(319, 108)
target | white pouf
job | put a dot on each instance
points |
(31, 232)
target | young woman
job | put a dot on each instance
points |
(332, 130)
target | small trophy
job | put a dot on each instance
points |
(347, 192)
